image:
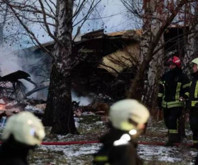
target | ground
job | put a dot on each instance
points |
(91, 127)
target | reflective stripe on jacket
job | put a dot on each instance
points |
(193, 92)
(173, 85)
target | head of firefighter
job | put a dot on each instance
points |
(129, 116)
(24, 128)
(194, 66)
(174, 62)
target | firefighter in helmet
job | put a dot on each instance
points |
(173, 88)
(127, 119)
(193, 102)
(22, 132)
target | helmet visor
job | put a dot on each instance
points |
(193, 67)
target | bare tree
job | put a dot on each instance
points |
(195, 28)
(157, 16)
(2, 24)
(9, 28)
(57, 20)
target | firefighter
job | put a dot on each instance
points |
(193, 102)
(127, 120)
(173, 89)
(22, 132)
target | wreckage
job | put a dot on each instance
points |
(12, 87)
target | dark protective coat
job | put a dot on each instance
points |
(193, 106)
(173, 86)
(116, 155)
(196, 160)
(193, 92)
(13, 153)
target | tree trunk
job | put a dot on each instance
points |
(48, 116)
(137, 89)
(63, 121)
(150, 44)
(196, 34)
(190, 36)
(156, 64)
(1, 35)
(59, 111)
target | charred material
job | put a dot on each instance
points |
(107, 63)
(12, 87)
(15, 76)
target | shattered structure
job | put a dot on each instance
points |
(106, 63)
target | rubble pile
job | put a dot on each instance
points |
(8, 107)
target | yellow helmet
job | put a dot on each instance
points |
(127, 114)
(195, 61)
(25, 127)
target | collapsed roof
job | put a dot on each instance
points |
(118, 50)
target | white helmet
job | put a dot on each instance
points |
(127, 114)
(195, 61)
(25, 127)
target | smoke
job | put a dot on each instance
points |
(9, 61)
(12, 61)
(82, 100)
(38, 66)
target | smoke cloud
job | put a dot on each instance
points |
(9, 62)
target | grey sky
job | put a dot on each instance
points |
(110, 15)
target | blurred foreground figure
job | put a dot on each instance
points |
(22, 132)
(127, 119)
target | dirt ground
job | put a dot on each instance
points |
(91, 128)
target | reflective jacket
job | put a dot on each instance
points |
(123, 154)
(193, 91)
(173, 85)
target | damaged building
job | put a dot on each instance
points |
(110, 63)
(107, 62)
